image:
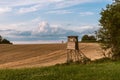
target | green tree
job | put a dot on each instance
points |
(0, 39)
(4, 41)
(109, 33)
(87, 38)
(92, 38)
(117, 1)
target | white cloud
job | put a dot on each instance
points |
(69, 3)
(35, 5)
(43, 27)
(27, 10)
(5, 10)
(86, 28)
(33, 8)
(86, 13)
(58, 3)
(16, 3)
(59, 12)
(14, 26)
(22, 26)
(8, 26)
(46, 31)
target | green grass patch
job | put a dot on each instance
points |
(93, 71)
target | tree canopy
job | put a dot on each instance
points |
(4, 41)
(109, 33)
(87, 38)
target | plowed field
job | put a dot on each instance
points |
(38, 55)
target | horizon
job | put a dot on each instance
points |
(49, 20)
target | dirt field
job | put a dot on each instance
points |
(38, 55)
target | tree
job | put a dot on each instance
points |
(117, 1)
(109, 33)
(87, 38)
(4, 41)
(0, 38)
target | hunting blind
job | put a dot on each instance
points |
(73, 52)
(72, 43)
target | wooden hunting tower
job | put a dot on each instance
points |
(72, 43)
(73, 52)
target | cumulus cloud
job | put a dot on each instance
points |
(27, 36)
(48, 30)
(19, 31)
(44, 31)
(43, 28)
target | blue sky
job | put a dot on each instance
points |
(48, 20)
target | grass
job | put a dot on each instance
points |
(95, 71)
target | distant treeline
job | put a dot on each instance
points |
(87, 38)
(4, 41)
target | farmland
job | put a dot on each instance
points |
(39, 55)
(46, 62)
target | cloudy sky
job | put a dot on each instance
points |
(36, 21)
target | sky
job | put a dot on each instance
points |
(39, 21)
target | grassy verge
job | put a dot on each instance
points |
(94, 71)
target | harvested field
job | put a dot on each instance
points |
(38, 55)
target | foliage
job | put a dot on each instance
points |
(109, 33)
(87, 38)
(103, 60)
(93, 71)
(4, 41)
(117, 1)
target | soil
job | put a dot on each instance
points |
(40, 55)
